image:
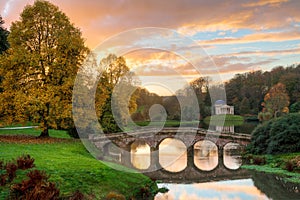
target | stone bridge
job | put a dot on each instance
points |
(189, 136)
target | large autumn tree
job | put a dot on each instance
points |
(3, 36)
(3, 42)
(115, 99)
(277, 100)
(39, 69)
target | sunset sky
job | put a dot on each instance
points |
(239, 36)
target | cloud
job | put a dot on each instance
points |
(267, 53)
(232, 188)
(100, 19)
(257, 37)
(224, 64)
(162, 63)
(265, 2)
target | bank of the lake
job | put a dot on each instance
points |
(286, 166)
(71, 167)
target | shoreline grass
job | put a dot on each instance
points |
(275, 164)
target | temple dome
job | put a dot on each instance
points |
(220, 102)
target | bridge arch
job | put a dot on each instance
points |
(232, 158)
(206, 156)
(140, 154)
(172, 154)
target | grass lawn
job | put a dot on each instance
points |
(228, 120)
(71, 167)
(34, 132)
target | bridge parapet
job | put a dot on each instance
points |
(153, 137)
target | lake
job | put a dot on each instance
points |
(238, 184)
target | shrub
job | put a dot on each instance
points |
(293, 164)
(114, 196)
(11, 169)
(259, 160)
(37, 187)
(77, 196)
(289, 165)
(281, 135)
(295, 107)
(1, 165)
(3, 179)
(25, 162)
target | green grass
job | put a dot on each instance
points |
(228, 120)
(2, 124)
(170, 123)
(35, 132)
(275, 165)
(72, 168)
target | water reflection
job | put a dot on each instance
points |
(259, 186)
(172, 155)
(232, 189)
(225, 129)
(205, 155)
(140, 155)
(232, 156)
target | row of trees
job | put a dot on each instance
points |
(247, 91)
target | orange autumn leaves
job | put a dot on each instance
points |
(276, 101)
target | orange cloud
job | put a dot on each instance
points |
(100, 19)
(265, 2)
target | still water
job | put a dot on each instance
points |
(232, 189)
(173, 158)
(259, 187)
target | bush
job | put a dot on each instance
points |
(289, 165)
(295, 107)
(37, 187)
(281, 135)
(25, 162)
(11, 170)
(259, 160)
(253, 159)
(77, 196)
(293, 164)
(114, 196)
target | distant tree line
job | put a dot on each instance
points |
(246, 92)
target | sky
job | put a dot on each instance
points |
(235, 36)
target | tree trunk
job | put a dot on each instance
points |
(45, 129)
(45, 132)
(44, 125)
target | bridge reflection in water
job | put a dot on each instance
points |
(203, 160)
